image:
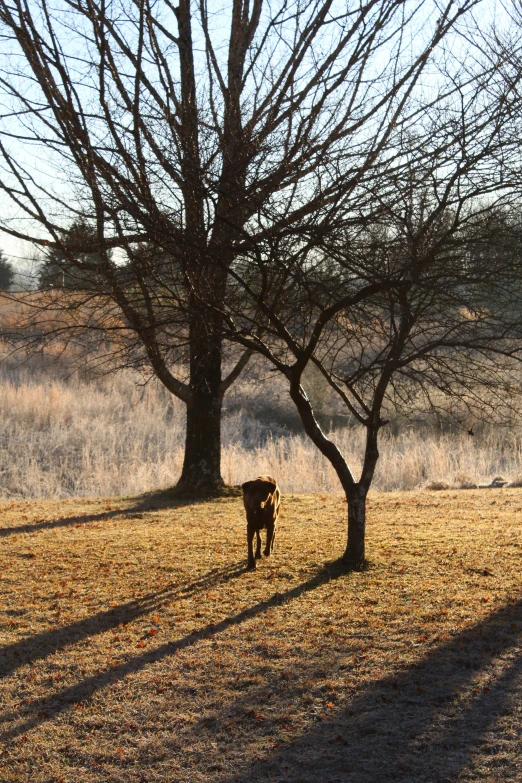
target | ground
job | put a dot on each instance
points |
(136, 647)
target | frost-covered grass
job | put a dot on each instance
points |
(72, 438)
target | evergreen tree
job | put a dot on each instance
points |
(6, 273)
(75, 271)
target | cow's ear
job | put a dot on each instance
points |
(246, 486)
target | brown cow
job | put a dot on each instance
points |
(262, 499)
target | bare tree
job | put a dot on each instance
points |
(199, 133)
(500, 47)
(410, 293)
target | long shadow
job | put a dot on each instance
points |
(423, 725)
(47, 708)
(151, 501)
(414, 726)
(46, 643)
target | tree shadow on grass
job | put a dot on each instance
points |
(426, 724)
(158, 500)
(47, 643)
(41, 645)
(423, 724)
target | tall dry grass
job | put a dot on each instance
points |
(66, 438)
(406, 462)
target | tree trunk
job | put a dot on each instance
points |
(202, 463)
(354, 555)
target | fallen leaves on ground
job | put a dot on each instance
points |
(137, 647)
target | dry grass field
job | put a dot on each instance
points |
(67, 437)
(135, 646)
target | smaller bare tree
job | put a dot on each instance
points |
(415, 294)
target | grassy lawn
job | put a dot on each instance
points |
(135, 646)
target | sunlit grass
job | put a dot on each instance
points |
(137, 648)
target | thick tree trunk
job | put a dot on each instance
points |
(354, 554)
(202, 464)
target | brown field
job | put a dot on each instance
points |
(137, 648)
(64, 438)
(69, 431)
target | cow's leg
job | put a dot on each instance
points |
(250, 540)
(270, 535)
(258, 547)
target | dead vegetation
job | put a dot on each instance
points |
(136, 647)
(69, 437)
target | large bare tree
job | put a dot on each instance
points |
(197, 131)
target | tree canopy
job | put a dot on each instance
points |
(201, 135)
(313, 181)
(6, 273)
(62, 268)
